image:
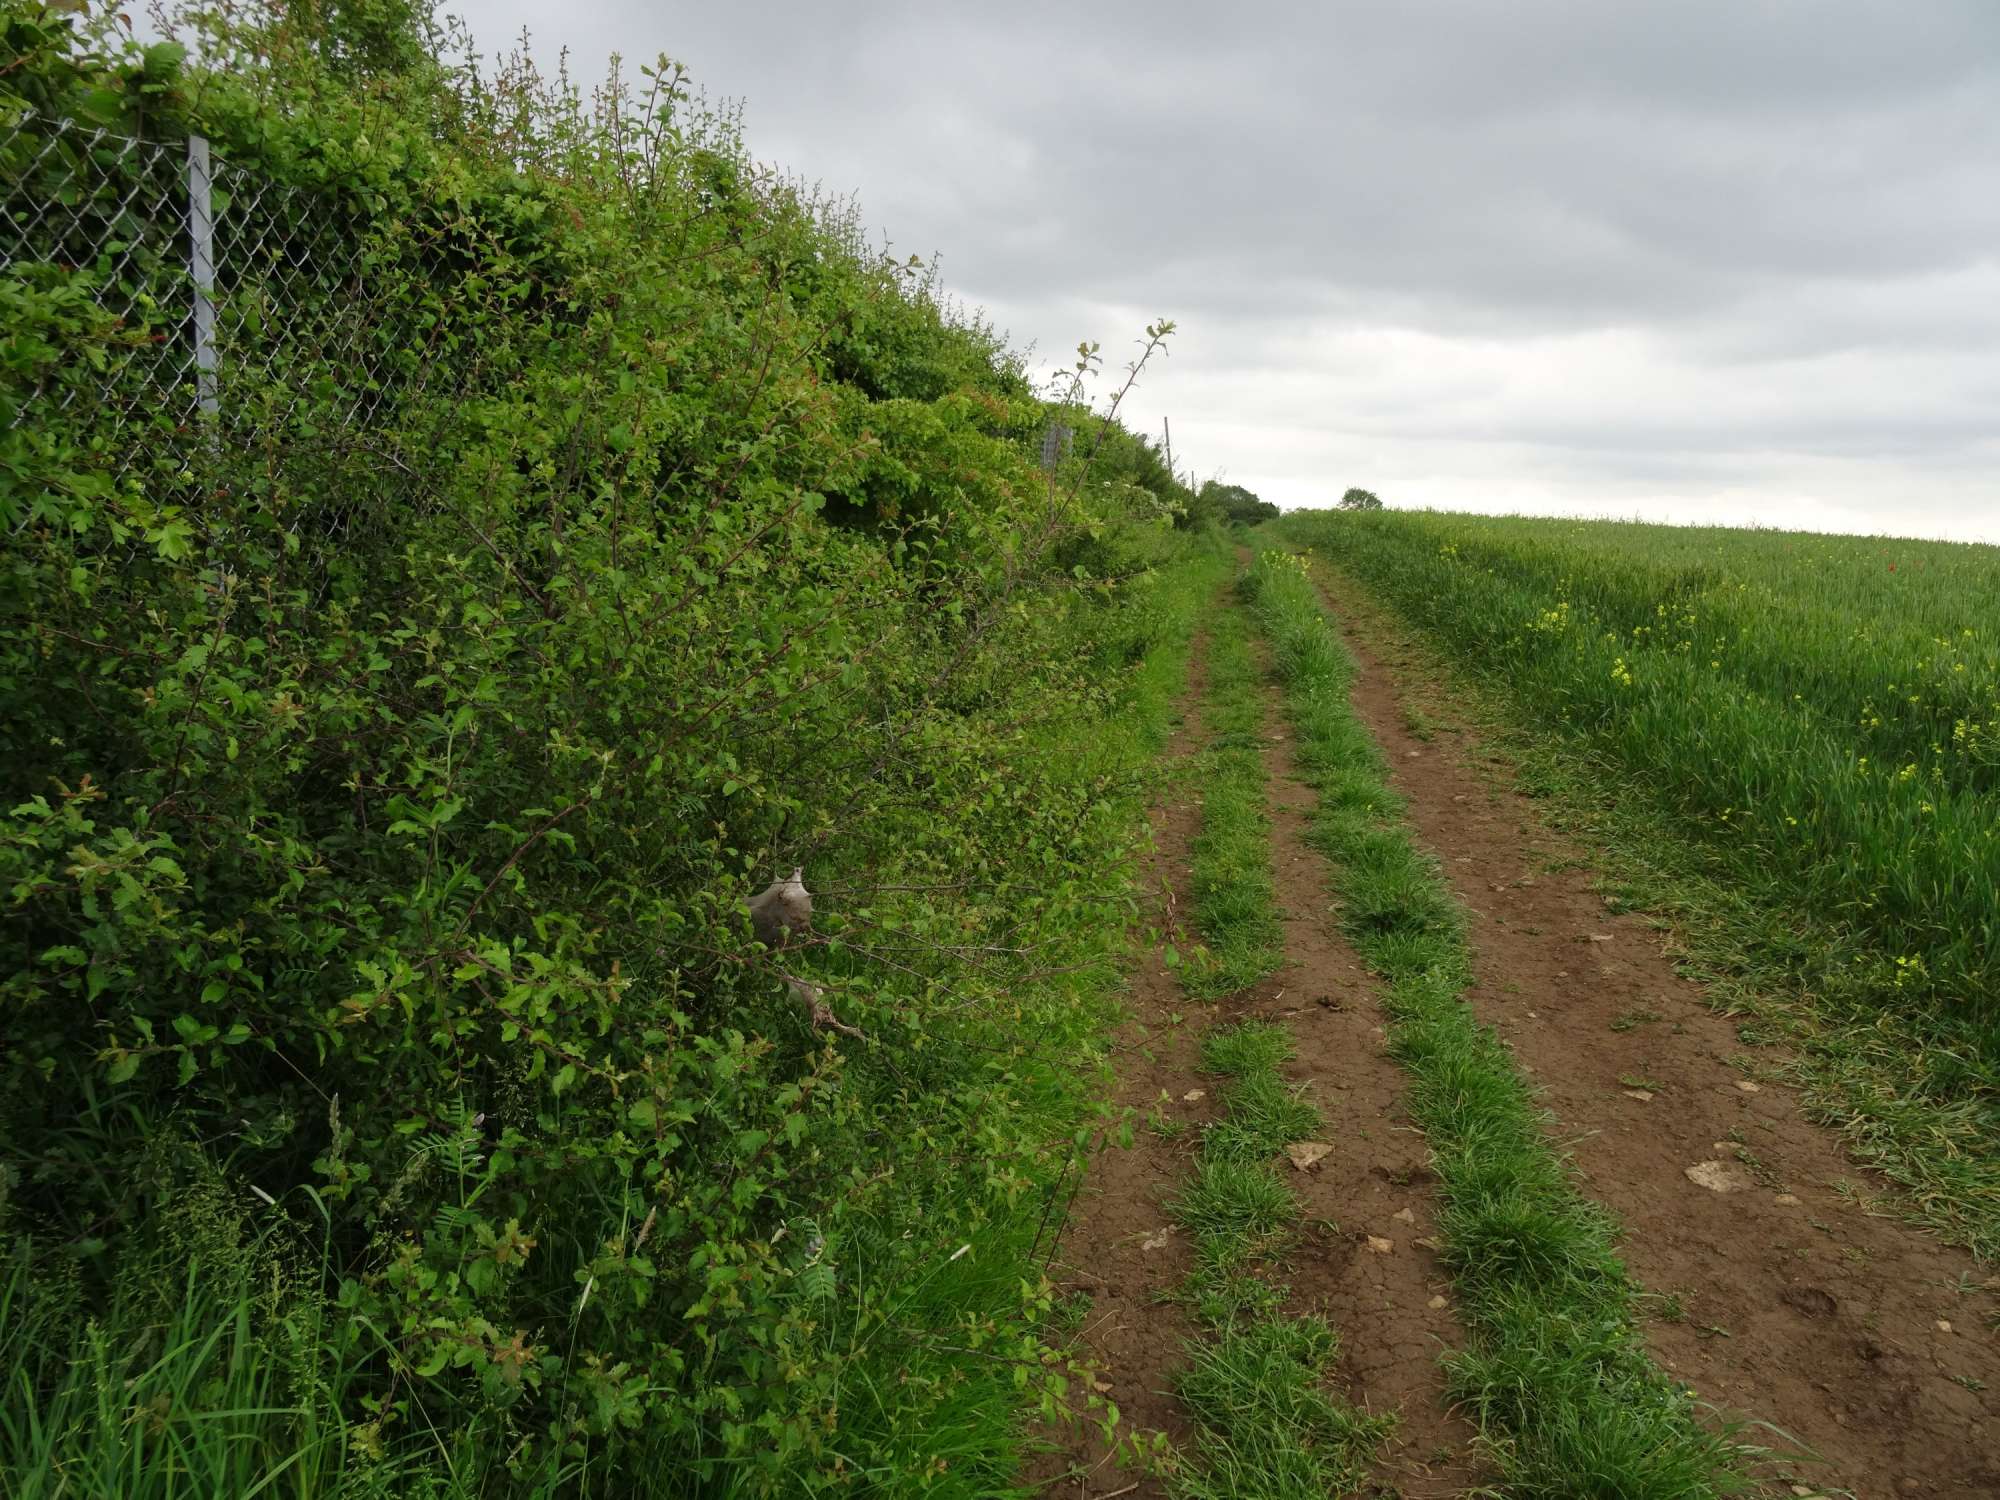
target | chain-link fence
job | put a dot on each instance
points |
(227, 297)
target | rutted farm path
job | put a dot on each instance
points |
(1122, 1251)
(1799, 1306)
(1784, 1299)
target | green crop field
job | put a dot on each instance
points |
(1830, 706)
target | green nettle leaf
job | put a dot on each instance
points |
(122, 1068)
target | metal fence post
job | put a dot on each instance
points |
(201, 269)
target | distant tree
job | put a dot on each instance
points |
(1232, 503)
(1360, 500)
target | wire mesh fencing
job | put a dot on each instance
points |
(222, 298)
(108, 215)
(224, 334)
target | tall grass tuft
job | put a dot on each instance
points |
(215, 1369)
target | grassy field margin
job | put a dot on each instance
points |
(1556, 1377)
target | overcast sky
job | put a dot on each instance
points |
(1730, 260)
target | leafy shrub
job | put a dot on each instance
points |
(382, 787)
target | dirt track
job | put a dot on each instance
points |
(1798, 1306)
(1391, 1308)
(1118, 1248)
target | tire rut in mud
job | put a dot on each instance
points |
(1118, 1249)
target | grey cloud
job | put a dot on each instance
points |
(1615, 242)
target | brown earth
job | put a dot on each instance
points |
(1388, 1305)
(1119, 1250)
(1806, 1304)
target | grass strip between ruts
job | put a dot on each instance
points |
(1235, 905)
(1265, 1425)
(1555, 1376)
